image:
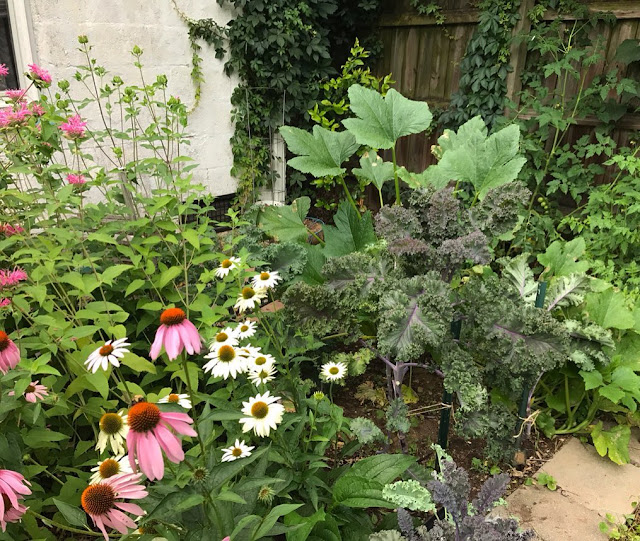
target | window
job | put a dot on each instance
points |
(7, 55)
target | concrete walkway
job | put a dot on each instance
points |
(589, 487)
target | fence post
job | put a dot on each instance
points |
(447, 398)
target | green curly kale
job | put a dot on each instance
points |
(410, 495)
(397, 420)
(366, 430)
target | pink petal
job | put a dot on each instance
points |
(130, 508)
(173, 342)
(132, 446)
(30, 397)
(156, 347)
(98, 522)
(150, 457)
(170, 444)
(122, 519)
(181, 428)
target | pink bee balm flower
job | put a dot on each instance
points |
(9, 353)
(8, 230)
(36, 108)
(10, 278)
(149, 435)
(76, 179)
(37, 73)
(104, 502)
(4, 302)
(175, 333)
(35, 392)
(4, 70)
(13, 487)
(74, 127)
(14, 95)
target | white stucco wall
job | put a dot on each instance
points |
(113, 28)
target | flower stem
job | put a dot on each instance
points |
(187, 377)
(50, 522)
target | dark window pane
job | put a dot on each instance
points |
(7, 55)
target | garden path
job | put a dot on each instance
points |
(589, 487)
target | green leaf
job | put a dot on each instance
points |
(272, 517)
(308, 524)
(381, 121)
(561, 258)
(628, 51)
(351, 233)
(175, 502)
(192, 237)
(410, 495)
(229, 496)
(99, 381)
(520, 276)
(614, 443)
(286, 223)
(608, 309)
(111, 273)
(166, 276)
(73, 515)
(567, 291)
(137, 363)
(374, 169)
(320, 154)
(381, 468)
(134, 286)
(42, 437)
(471, 157)
(359, 492)
(592, 379)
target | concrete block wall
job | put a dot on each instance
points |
(113, 28)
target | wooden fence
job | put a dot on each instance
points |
(424, 57)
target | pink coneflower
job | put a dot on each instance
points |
(4, 303)
(104, 502)
(38, 74)
(4, 70)
(74, 127)
(9, 353)
(72, 178)
(14, 95)
(35, 392)
(10, 278)
(175, 333)
(149, 435)
(13, 487)
(8, 230)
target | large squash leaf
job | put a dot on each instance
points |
(286, 223)
(561, 258)
(471, 156)
(373, 168)
(320, 154)
(381, 121)
(614, 442)
(352, 232)
(608, 309)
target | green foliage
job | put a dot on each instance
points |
(410, 495)
(366, 431)
(614, 443)
(546, 480)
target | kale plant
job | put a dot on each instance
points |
(466, 520)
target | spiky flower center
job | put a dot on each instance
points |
(260, 360)
(248, 293)
(236, 451)
(173, 316)
(98, 499)
(174, 398)
(105, 350)
(226, 264)
(143, 417)
(226, 354)
(4, 340)
(334, 370)
(111, 423)
(200, 474)
(259, 410)
(30, 388)
(264, 276)
(222, 337)
(109, 468)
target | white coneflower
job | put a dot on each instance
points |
(266, 280)
(226, 361)
(262, 375)
(110, 353)
(246, 329)
(226, 266)
(109, 467)
(263, 414)
(113, 431)
(224, 337)
(333, 371)
(239, 450)
(260, 360)
(249, 298)
(180, 399)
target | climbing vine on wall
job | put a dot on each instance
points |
(483, 81)
(280, 50)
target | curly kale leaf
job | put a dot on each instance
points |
(415, 314)
(491, 491)
(355, 273)
(366, 430)
(397, 416)
(440, 213)
(462, 376)
(567, 291)
(591, 345)
(473, 247)
(499, 212)
(520, 276)
(451, 489)
(410, 494)
(356, 362)
(400, 227)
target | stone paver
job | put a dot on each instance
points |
(589, 487)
